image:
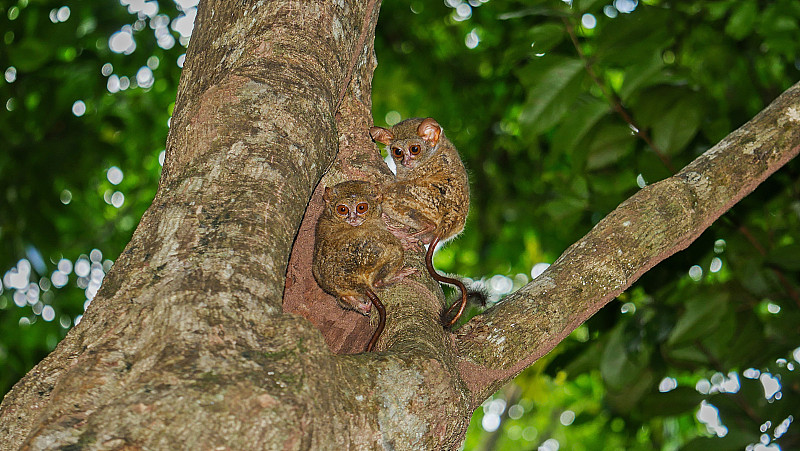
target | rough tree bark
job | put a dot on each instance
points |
(192, 340)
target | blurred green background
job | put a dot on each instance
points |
(561, 110)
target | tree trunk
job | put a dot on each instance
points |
(209, 331)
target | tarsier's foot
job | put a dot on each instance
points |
(411, 244)
(359, 304)
(398, 276)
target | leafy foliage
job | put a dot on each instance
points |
(561, 111)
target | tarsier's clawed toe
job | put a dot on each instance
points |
(412, 244)
(364, 308)
(359, 304)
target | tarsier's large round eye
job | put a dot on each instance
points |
(362, 208)
(342, 209)
(415, 150)
(397, 152)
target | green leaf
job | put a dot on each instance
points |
(545, 37)
(678, 125)
(786, 257)
(625, 399)
(608, 145)
(566, 210)
(620, 366)
(747, 343)
(29, 55)
(734, 439)
(672, 114)
(577, 124)
(743, 20)
(632, 38)
(701, 318)
(645, 73)
(675, 402)
(554, 83)
(587, 5)
(688, 354)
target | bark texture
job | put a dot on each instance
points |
(195, 338)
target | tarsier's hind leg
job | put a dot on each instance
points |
(396, 277)
(410, 240)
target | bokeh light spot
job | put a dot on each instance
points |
(48, 313)
(667, 384)
(472, 40)
(63, 14)
(11, 74)
(65, 266)
(117, 199)
(122, 41)
(79, 108)
(610, 11)
(538, 269)
(588, 21)
(567, 417)
(82, 267)
(392, 117)
(114, 175)
(144, 77)
(66, 197)
(516, 411)
(696, 273)
(625, 6)
(708, 414)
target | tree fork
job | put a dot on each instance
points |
(190, 339)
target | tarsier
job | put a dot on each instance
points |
(354, 253)
(429, 200)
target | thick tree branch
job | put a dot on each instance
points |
(656, 222)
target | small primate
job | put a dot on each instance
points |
(354, 253)
(429, 200)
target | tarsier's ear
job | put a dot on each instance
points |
(381, 135)
(429, 130)
(326, 196)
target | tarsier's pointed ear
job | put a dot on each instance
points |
(326, 196)
(429, 130)
(381, 135)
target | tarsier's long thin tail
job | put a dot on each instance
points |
(381, 321)
(448, 280)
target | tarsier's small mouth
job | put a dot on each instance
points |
(355, 222)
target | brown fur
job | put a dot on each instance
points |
(428, 201)
(351, 261)
(431, 198)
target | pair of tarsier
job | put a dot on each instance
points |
(365, 229)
